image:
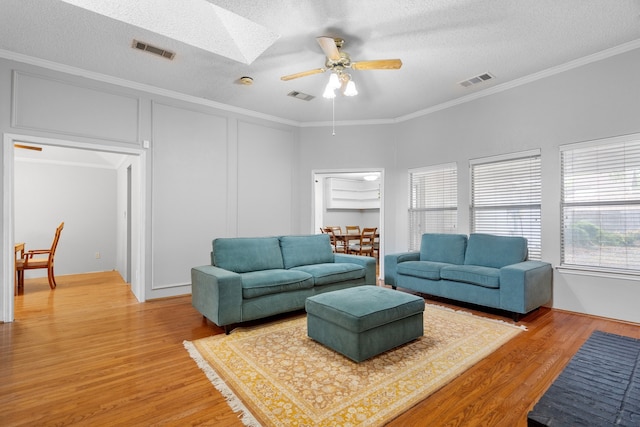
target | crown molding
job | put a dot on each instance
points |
(607, 53)
(348, 123)
(55, 66)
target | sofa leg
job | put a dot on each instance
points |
(516, 316)
(394, 287)
(227, 329)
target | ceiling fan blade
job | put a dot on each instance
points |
(28, 147)
(328, 45)
(303, 74)
(379, 64)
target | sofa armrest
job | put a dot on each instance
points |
(525, 286)
(391, 262)
(369, 264)
(217, 294)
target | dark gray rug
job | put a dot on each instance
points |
(599, 387)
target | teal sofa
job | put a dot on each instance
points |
(255, 277)
(482, 269)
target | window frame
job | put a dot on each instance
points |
(415, 235)
(606, 143)
(535, 233)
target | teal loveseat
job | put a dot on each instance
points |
(255, 277)
(483, 269)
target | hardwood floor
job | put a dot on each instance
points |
(88, 353)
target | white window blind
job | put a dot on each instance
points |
(433, 204)
(506, 198)
(600, 198)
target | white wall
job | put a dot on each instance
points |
(189, 181)
(81, 196)
(353, 148)
(122, 216)
(343, 217)
(203, 171)
(266, 171)
(597, 100)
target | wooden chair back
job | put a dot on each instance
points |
(336, 244)
(336, 228)
(40, 258)
(366, 244)
(56, 239)
(353, 229)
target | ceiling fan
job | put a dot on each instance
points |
(338, 61)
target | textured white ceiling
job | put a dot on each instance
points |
(440, 42)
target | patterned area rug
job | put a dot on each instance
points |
(276, 376)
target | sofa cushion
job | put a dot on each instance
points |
(487, 277)
(243, 254)
(306, 250)
(259, 283)
(449, 248)
(423, 269)
(495, 251)
(328, 273)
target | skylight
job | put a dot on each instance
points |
(194, 22)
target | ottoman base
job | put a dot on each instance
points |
(401, 314)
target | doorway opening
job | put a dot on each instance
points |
(130, 247)
(350, 197)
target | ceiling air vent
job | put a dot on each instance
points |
(153, 49)
(477, 79)
(300, 95)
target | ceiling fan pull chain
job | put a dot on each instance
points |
(333, 116)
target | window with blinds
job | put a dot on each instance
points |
(600, 201)
(506, 198)
(433, 204)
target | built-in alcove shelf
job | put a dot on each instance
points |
(346, 193)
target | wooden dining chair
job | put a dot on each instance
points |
(18, 252)
(336, 228)
(336, 244)
(376, 245)
(366, 244)
(352, 234)
(353, 229)
(39, 258)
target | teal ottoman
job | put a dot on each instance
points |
(364, 321)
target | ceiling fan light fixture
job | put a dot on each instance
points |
(334, 81)
(342, 81)
(329, 92)
(350, 90)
